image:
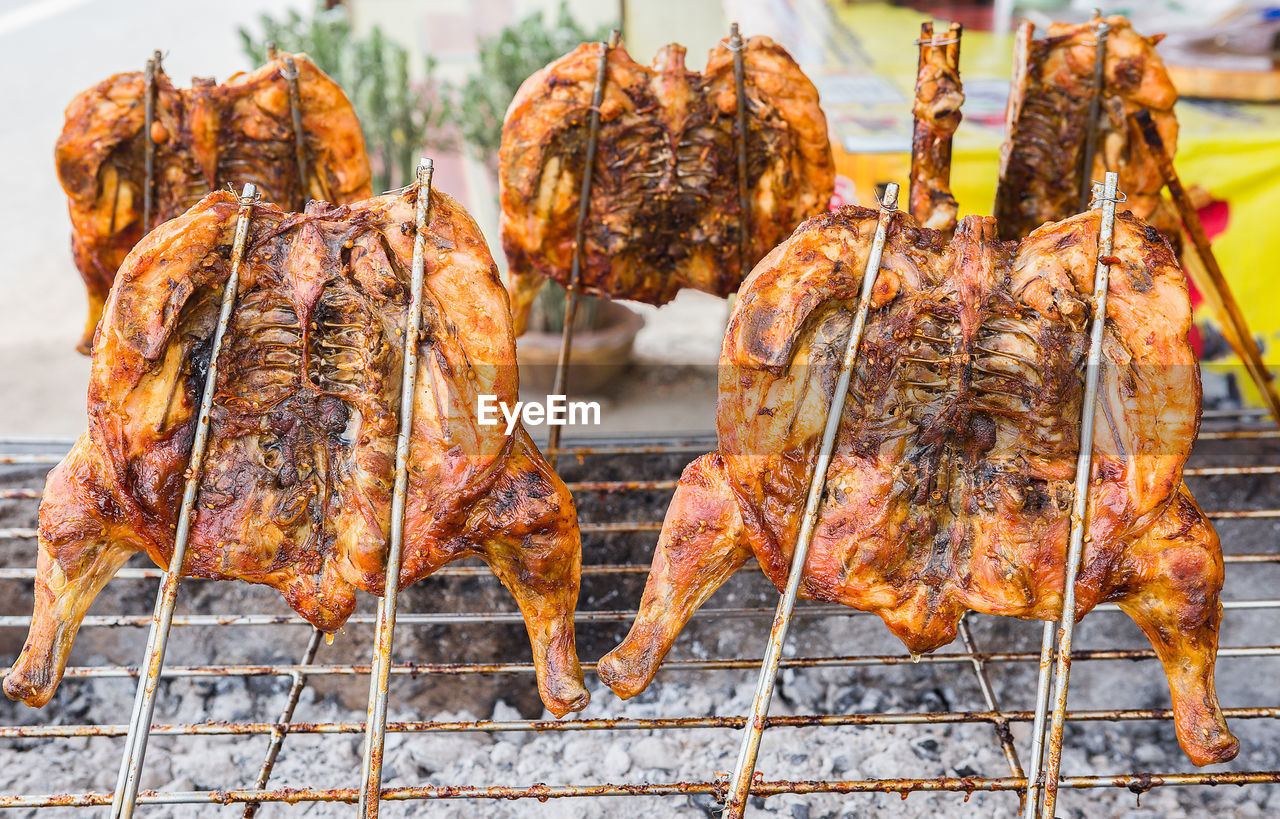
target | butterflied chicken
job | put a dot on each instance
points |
(937, 115)
(297, 485)
(1042, 159)
(951, 484)
(664, 211)
(206, 137)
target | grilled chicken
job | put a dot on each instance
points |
(297, 486)
(206, 137)
(951, 484)
(937, 115)
(1042, 159)
(664, 211)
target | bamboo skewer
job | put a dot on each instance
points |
(380, 671)
(744, 770)
(126, 791)
(1100, 29)
(1080, 509)
(573, 291)
(1208, 275)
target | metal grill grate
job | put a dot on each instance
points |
(1234, 450)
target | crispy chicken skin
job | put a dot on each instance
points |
(297, 485)
(1040, 161)
(664, 210)
(207, 137)
(951, 484)
(939, 96)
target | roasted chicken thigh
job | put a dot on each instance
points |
(206, 137)
(664, 211)
(1042, 159)
(951, 484)
(297, 483)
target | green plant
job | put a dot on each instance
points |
(547, 313)
(506, 60)
(479, 104)
(397, 115)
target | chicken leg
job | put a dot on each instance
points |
(77, 557)
(700, 548)
(1174, 600)
(531, 543)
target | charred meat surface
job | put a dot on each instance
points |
(206, 137)
(939, 96)
(1042, 159)
(297, 485)
(664, 211)
(951, 484)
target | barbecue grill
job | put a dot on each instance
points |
(1233, 468)
(1237, 459)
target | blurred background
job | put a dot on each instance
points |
(434, 77)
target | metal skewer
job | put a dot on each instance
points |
(1211, 280)
(144, 703)
(1095, 109)
(744, 771)
(1031, 800)
(1079, 515)
(744, 202)
(376, 724)
(572, 292)
(148, 144)
(299, 681)
(989, 697)
(290, 74)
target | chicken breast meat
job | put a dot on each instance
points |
(297, 485)
(951, 484)
(1043, 155)
(664, 210)
(206, 137)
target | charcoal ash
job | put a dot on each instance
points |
(640, 756)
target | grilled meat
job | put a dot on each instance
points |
(297, 485)
(937, 115)
(664, 210)
(1042, 159)
(206, 137)
(951, 484)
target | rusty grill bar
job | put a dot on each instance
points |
(962, 654)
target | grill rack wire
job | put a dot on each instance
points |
(299, 671)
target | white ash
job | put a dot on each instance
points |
(523, 758)
(196, 763)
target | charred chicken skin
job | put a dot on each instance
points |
(664, 209)
(297, 486)
(1044, 149)
(206, 137)
(951, 484)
